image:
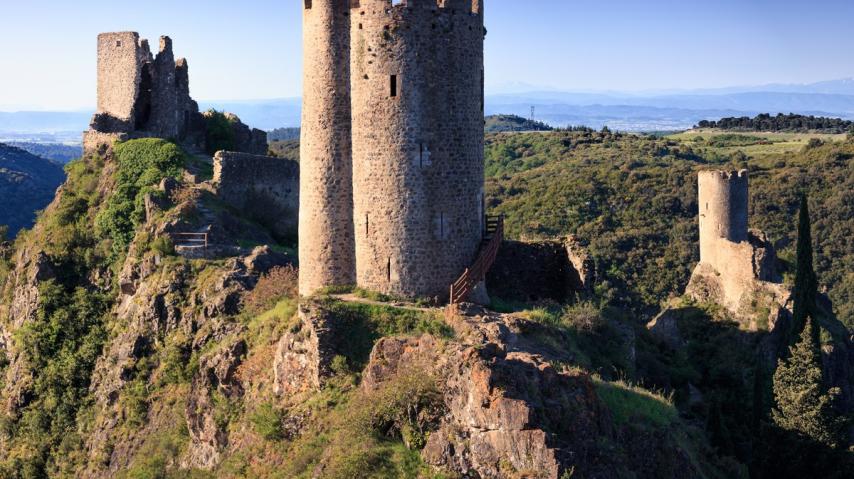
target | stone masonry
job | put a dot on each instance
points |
(410, 110)
(326, 248)
(140, 94)
(262, 187)
(737, 266)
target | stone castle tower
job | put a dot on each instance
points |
(408, 95)
(737, 266)
(141, 92)
(723, 214)
(326, 245)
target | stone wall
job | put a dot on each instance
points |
(535, 271)
(121, 56)
(418, 172)
(262, 187)
(326, 246)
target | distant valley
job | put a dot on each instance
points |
(27, 184)
(634, 112)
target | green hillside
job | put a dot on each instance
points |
(633, 200)
(27, 184)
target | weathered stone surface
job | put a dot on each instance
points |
(216, 373)
(508, 411)
(304, 354)
(263, 188)
(540, 270)
(665, 328)
(138, 93)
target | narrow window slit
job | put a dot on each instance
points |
(393, 86)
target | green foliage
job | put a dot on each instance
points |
(505, 123)
(219, 132)
(632, 201)
(633, 405)
(287, 149)
(781, 122)
(140, 165)
(162, 245)
(175, 365)
(722, 141)
(267, 421)
(806, 283)
(369, 433)
(802, 405)
(361, 325)
(61, 345)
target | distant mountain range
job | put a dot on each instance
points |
(637, 111)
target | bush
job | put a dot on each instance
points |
(141, 164)
(280, 282)
(219, 132)
(267, 422)
(163, 245)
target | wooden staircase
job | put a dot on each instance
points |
(494, 235)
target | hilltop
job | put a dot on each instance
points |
(504, 123)
(27, 184)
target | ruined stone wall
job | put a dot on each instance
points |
(326, 245)
(263, 187)
(143, 95)
(417, 99)
(121, 57)
(164, 93)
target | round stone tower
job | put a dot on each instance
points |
(326, 244)
(723, 211)
(418, 172)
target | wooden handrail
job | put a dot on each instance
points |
(462, 288)
(191, 240)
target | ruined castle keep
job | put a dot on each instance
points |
(392, 173)
(144, 95)
(737, 266)
(139, 92)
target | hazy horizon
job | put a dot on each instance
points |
(252, 51)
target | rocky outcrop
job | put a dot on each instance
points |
(304, 354)
(750, 289)
(508, 411)
(217, 374)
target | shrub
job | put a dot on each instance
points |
(407, 407)
(267, 422)
(141, 164)
(628, 403)
(163, 245)
(280, 282)
(219, 134)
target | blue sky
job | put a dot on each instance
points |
(250, 49)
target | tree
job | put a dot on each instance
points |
(802, 406)
(806, 283)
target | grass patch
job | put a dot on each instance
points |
(361, 325)
(628, 403)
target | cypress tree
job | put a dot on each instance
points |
(806, 283)
(802, 406)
